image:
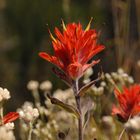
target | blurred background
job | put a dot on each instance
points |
(24, 33)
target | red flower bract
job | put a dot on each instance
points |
(73, 48)
(129, 102)
(10, 117)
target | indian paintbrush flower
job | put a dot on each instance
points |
(129, 102)
(73, 48)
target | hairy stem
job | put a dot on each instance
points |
(78, 103)
(120, 136)
(1, 115)
(30, 131)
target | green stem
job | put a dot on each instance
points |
(120, 136)
(78, 103)
(36, 97)
(30, 131)
(1, 115)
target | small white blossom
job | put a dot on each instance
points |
(120, 71)
(63, 95)
(100, 90)
(108, 76)
(46, 86)
(28, 113)
(4, 94)
(114, 75)
(6, 134)
(93, 130)
(108, 123)
(86, 81)
(94, 89)
(33, 85)
(130, 80)
(9, 126)
(103, 84)
(124, 75)
(133, 125)
(88, 72)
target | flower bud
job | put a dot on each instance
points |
(46, 86)
(33, 85)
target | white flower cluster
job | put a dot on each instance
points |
(87, 75)
(97, 91)
(6, 133)
(28, 113)
(133, 125)
(9, 126)
(108, 124)
(120, 76)
(47, 130)
(4, 94)
(65, 96)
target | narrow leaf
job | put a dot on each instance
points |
(83, 90)
(63, 24)
(88, 26)
(52, 37)
(65, 106)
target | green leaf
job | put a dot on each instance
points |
(65, 106)
(83, 90)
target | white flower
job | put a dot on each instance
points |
(86, 81)
(28, 113)
(108, 123)
(93, 130)
(120, 71)
(88, 72)
(35, 113)
(59, 94)
(63, 95)
(33, 85)
(4, 94)
(100, 90)
(46, 86)
(133, 125)
(9, 126)
(6, 134)
(103, 84)
(131, 80)
(108, 76)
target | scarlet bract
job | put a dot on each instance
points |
(129, 102)
(73, 48)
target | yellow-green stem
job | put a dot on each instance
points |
(1, 115)
(30, 131)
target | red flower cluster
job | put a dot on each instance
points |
(73, 48)
(129, 102)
